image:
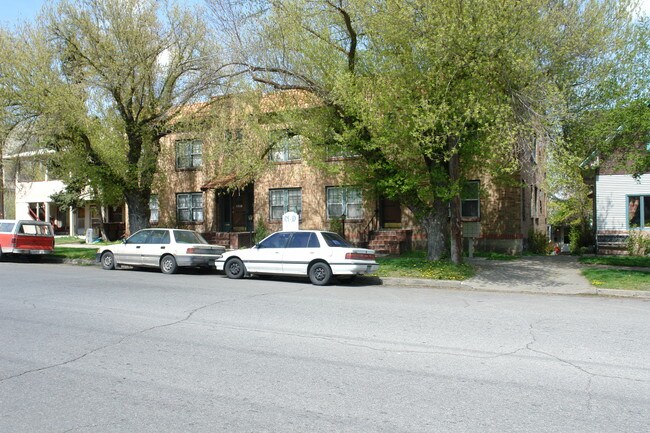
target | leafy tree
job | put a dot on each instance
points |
(427, 91)
(102, 82)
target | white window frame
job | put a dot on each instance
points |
(284, 200)
(194, 207)
(154, 209)
(189, 154)
(350, 198)
(476, 199)
(644, 219)
(287, 149)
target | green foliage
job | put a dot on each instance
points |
(638, 244)
(581, 239)
(336, 225)
(261, 230)
(537, 242)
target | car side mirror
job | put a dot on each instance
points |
(124, 241)
(258, 246)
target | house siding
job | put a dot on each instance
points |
(611, 200)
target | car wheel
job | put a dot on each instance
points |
(320, 274)
(235, 268)
(168, 265)
(108, 261)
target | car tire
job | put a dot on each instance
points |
(320, 274)
(235, 268)
(168, 265)
(108, 261)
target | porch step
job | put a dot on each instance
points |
(392, 242)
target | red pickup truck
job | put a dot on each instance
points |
(25, 237)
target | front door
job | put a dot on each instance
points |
(391, 214)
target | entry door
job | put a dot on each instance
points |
(391, 214)
(239, 211)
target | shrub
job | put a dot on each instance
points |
(638, 244)
(581, 239)
(537, 242)
(261, 231)
(336, 226)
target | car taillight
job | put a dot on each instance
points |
(359, 256)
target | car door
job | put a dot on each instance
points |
(157, 244)
(301, 249)
(130, 252)
(266, 257)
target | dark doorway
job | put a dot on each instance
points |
(390, 212)
(236, 210)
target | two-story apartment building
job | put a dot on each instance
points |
(191, 191)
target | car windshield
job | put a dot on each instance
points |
(335, 240)
(188, 237)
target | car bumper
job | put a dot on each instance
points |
(196, 261)
(354, 268)
(26, 251)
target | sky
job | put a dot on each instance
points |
(12, 11)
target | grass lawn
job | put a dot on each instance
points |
(415, 265)
(75, 253)
(618, 279)
(643, 262)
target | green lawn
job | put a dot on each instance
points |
(75, 253)
(643, 262)
(618, 279)
(415, 265)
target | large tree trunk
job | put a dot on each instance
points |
(138, 209)
(435, 224)
(455, 205)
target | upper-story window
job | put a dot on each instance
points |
(339, 151)
(638, 211)
(287, 148)
(470, 200)
(344, 201)
(189, 154)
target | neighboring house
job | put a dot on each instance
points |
(26, 176)
(621, 204)
(190, 192)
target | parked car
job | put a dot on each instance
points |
(319, 255)
(27, 237)
(167, 249)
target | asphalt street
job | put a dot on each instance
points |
(87, 350)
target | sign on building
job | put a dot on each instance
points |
(290, 221)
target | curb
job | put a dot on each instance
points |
(461, 285)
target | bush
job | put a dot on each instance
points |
(336, 226)
(581, 239)
(261, 231)
(638, 244)
(537, 242)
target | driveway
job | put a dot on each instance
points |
(534, 274)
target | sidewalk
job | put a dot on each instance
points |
(534, 274)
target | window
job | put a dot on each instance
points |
(159, 237)
(153, 209)
(189, 154)
(304, 240)
(287, 148)
(277, 240)
(283, 201)
(339, 151)
(470, 200)
(344, 201)
(335, 240)
(189, 207)
(638, 211)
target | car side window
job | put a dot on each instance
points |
(139, 237)
(276, 240)
(313, 241)
(299, 240)
(159, 237)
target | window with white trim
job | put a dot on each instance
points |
(344, 201)
(638, 212)
(287, 148)
(189, 154)
(154, 207)
(189, 207)
(285, 200)
(470, 206)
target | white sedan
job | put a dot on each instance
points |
(167, 249)
(319, 255)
